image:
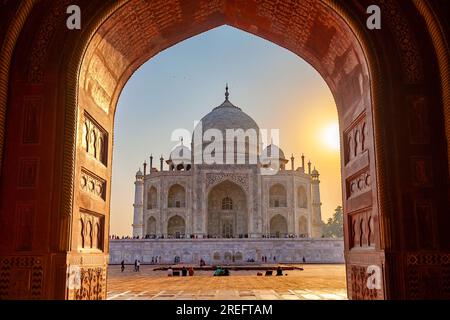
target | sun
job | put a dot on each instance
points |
(330, 136)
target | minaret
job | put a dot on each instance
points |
(145, 168)
(138, 225)
(292, 162)
(161, 160)
(309, 167)
(303, 163)
(316, 215)
(151, 163)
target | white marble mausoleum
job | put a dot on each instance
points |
(243, 204)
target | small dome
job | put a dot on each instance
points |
(180, 154)
(273, 157)
(139, 173)
(271, 152)
(315, 172)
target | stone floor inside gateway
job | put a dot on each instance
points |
(315, 282)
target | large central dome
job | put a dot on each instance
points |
(224, 117)
(228, 116)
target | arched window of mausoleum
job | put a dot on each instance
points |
(277, 196)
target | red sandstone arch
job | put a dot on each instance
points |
(56, 81)
(136, 31)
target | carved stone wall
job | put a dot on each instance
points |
(21, 277)
(428, 275)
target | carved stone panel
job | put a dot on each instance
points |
(362, 229)
(28, 172)
(92, 184)
(100, 83)
(421, 171)
(356, 138)
(425, 228)
(91, 227)
(359, 184)
(94, 139)
(359, 276)
(25, 215)
(31, 123)
(418, 120)
(92, 284)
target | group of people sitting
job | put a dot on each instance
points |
(291, 235)
(270, 272)
(184, 272)
(221, 272)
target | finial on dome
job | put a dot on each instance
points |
(181, 140)
(227, 94)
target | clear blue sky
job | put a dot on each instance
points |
(183, 83)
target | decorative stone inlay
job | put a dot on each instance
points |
(44, 35)
(215, 178)
(412, 64)
(21, 277)
(432, 268)
(428, 258)
(93, 284)
(359, 289)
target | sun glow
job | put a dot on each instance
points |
(330, 136)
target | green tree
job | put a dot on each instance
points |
(334, 228)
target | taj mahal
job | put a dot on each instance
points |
(236, 206)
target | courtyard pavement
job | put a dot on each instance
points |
(315, 282)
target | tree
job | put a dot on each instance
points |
(334, 228)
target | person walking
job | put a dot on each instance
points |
(122, 266)
(138, 264)
(135, 265)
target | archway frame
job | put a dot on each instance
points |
(72, 113)
(242, 189)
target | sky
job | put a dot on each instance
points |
(180, 85)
